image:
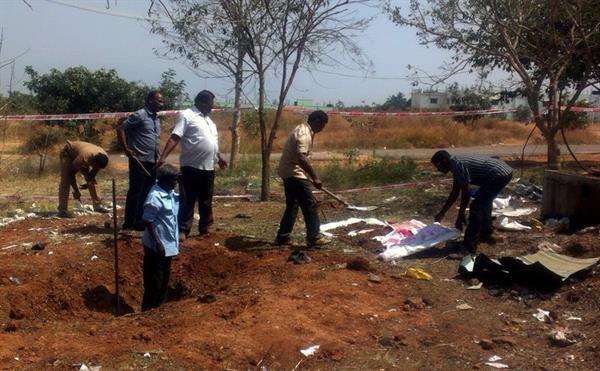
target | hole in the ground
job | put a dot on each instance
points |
(99, 299)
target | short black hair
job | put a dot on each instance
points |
(439, 156)
(204, 96)
(167, 171)
(151, 94)
(101, 160)
(319, 116)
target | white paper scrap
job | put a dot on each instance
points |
(310, 350)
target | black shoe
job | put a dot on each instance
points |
(64, 214)
(280, 241)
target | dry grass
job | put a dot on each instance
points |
(343, 133)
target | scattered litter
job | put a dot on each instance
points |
(512, 212)
(310, 350)
(507, 225)
(560, 337)
(496, 365)
(548, 246)
(529, 190)
(93, 258)
(8, 247)
(464, 306)
(476, 287)
(543, 316)
(571, 318)
(84, 367)
(501, 203)
(557, 225)
(217, 244)
(417, 273)
(147, 355)
(50, 252)
(390, 199)
(299, 257)
(14, 280)
(494, 358)
(374, 278)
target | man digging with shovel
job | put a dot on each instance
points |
(296, 171)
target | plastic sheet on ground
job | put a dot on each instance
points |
(510, 211)
(426, 237)
(344, 223)
(544, 268)
(507, 225)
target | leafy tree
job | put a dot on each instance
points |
(550, 47)
(173, 91)
(282, 35)
(79, 90)
(204, 34)
(465, 99)
(396, 102)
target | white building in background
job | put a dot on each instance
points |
(428, 100)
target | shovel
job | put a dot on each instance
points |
(348, 206)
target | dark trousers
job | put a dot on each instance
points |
(480, 210)
(139, 186)
(157, 270)
(298, 193)
(198, 185)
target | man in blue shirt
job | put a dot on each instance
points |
(139, 135)
(491, 175)
(160, 238)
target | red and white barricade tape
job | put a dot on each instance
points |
(112, 115)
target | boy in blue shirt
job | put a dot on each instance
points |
(161, 236)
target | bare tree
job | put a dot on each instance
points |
(551, 47)
(280, 36)
(201, 33)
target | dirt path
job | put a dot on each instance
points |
(56, 303)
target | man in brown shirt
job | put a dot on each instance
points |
(81, 157)
(298, 174)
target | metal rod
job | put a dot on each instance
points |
(117, 297)
(143, 168)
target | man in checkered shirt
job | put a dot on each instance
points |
(491, 175)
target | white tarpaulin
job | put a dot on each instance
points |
(426, 237)
(507, 225)
(344, 223)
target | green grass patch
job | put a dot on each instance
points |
(340, 174)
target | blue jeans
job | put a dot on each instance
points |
(298, 193)
(480, 211)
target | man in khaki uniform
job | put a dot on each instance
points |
(296, 171)
(81, 157)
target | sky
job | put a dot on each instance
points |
(53, 35)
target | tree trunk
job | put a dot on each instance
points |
(264, 147)
(553, 151)
(237, 113)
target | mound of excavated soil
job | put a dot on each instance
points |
(57, 302)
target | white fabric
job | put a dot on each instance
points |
(514, 212)
(425, 238)
(347, 222)
(501, 203)
(199, 139)
(507, 225)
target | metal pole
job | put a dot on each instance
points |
(117, 298)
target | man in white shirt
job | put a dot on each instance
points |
(199, 140)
